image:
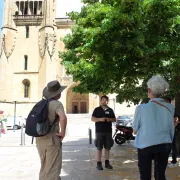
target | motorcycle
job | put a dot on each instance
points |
(125, 134)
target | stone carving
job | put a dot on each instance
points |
(51, 44)
(78, 96)
(8, 41)
(47, 41)
(1, 50)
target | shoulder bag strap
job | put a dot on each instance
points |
(161, 105)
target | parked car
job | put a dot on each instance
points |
(124, 120)
(20, 122)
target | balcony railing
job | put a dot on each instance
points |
(28, 20)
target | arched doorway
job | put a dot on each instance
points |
(77, 103)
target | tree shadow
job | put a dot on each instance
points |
(79, 161)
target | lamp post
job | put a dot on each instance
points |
(14, 115)
(114, 103)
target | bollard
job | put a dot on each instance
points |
(22, 137)
(90, 136)
(32, 140)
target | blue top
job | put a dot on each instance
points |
(154, 123)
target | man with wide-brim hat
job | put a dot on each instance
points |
(52, 89)
(50, 146)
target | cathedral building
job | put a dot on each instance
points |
(31, 39)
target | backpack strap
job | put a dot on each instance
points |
(56, 119)
(162, 105)
(49, 100)
(52, 126)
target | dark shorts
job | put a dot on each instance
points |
(103, 140)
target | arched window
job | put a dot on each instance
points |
(26, 85)
(25, 62)
(27, 31)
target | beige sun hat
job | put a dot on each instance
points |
(52, 89)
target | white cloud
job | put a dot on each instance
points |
(64, 6)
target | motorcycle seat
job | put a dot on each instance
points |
(129, 128)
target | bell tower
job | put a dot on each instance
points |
(29, 57)
(28, 50)
(8, 12)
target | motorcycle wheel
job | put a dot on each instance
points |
(120, 140)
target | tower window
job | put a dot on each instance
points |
(26, 11)
(35, 11)
(25, 62)
(26, 85)
(27, 31)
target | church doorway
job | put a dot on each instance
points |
(83, 107)
(77, 103)
(75, 107)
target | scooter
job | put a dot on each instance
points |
(125, 134)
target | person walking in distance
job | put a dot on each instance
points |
(103, 116)
(174, 147)
(50, 146)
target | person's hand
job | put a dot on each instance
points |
(61, 135)
(108, 119)
(102, 120)
(176, 121)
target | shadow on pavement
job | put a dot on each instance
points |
(79, 162)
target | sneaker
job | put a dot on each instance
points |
(99, 166)
(108, 166)
(172, 165)
(173, 162)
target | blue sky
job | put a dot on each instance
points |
(1, 12)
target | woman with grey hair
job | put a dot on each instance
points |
(154, 128)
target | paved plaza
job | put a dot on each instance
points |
(22, 162)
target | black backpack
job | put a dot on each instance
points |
(37, 123)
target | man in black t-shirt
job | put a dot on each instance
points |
(103, 116)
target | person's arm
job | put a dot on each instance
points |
(176, 121)
(62, 120)
(95, 119)
(111, 119)
(63, 124)
(137, 120)
(176, 118)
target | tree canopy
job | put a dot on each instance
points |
(117, 45)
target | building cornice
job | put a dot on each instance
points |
(28, 20)
(63, 23)
(26, 72)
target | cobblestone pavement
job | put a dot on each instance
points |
(22, 162)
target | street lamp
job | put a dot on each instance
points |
(114, 102)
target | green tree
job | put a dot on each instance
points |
(116, 45)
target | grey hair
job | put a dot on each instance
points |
(158, 85)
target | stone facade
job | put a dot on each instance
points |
(30, 42)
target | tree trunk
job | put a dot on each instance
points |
(177, 105)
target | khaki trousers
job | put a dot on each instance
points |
(51, 161)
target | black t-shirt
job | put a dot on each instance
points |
(99, 112)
